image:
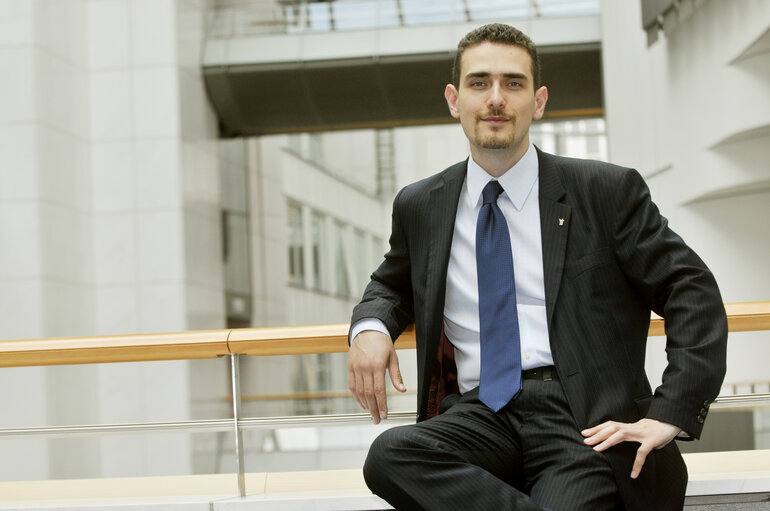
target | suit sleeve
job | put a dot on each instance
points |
(388, 296)
(681, 289)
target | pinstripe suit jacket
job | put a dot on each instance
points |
(609, 259)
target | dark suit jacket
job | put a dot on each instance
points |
(609, 259)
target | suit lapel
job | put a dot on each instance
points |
(442, 204)
(554, 226)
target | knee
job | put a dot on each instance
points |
(380, 463)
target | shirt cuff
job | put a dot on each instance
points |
(367, 324)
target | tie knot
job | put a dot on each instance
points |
(491, 192)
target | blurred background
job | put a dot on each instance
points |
(173, 165)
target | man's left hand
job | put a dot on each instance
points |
(650, 433)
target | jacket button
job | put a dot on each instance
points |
(703, 412)
(706, 404)
(700, 419)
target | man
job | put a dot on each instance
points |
(530, 279)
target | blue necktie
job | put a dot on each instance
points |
(500, 345)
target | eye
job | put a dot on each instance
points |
(476, 84)
(514, 84)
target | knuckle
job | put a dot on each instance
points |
(372, 366)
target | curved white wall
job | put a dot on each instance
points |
(692, 113)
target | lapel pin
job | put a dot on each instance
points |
(561, 222)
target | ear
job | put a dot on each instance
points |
(450, 93)
(541, 98)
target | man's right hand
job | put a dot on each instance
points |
(371, 353)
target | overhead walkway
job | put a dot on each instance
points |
(290, 66)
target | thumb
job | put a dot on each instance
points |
(395, 373)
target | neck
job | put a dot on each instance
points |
(497, 162)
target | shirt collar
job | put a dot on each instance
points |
(517, 182)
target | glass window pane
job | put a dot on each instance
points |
(431, 12)
(555, 8)
(319, 19)
(237, 264)
(340, 262)
(295, 236)
(578, 138)
(365, 14)
(489, 10)
(317, 236)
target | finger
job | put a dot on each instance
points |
(641, 457)
(379, 395)
(607, 431)
(592, 431)
(352, 383)
(371, 400)
(395, 374)
(359, 394)
(614, 439)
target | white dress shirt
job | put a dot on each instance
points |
(521, 207)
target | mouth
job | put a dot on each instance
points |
(495, 120)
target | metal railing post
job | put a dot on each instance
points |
(239, 465)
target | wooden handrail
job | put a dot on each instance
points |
(741, 317)
(114, 348)
(748, 316)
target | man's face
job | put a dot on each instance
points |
(495, 100)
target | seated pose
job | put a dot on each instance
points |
(530, 279)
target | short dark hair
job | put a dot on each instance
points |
(497, 33)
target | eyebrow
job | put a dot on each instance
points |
(485, 74)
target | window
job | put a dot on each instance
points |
(295, 143)
(316, 148)
(342, 287)
(579, 138)
(317, 237)
(236, 241)
(295, 234)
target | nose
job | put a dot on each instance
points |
(496, 100)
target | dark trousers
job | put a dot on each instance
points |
(528, 456)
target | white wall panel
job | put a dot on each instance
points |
(17, 96)
(63, 168)
(117, 309)
(20, 257)
(16, 27)
(108, 34)
(115, 240)
(113, 178)
(155, 102)
(153, 32)
(18, 172)
(156, 169)
(161, 246)
(162, 307)
(110, 101)
(65, 235)
(21, 309)
(60, 29)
